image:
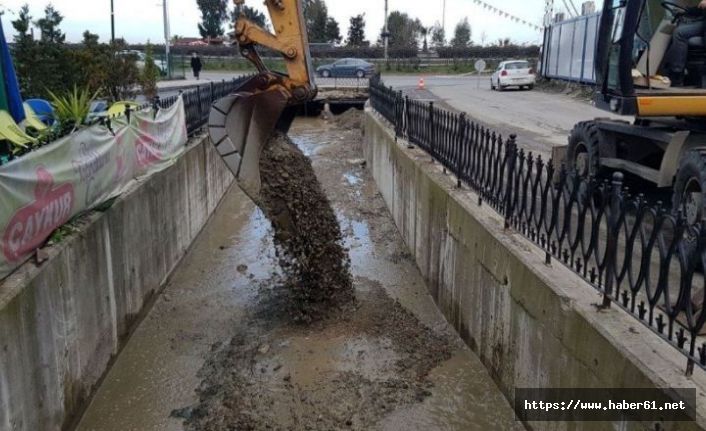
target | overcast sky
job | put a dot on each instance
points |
(140, 20)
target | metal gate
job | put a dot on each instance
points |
(569, 48)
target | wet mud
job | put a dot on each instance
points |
(221, 349)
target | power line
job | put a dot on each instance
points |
(507, 15)
(568, 10)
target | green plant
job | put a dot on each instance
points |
(149, 75)
(72, 107)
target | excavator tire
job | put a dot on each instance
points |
(689, 193)
(583, 156)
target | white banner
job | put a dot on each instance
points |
(44, 189)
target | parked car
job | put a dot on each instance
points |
(346, 68)
(140, 59)
(515, 73)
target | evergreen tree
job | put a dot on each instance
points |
(22, 23)
(150, 74)
(404, 31)
(462, 34)
(424, 31)
(213, 14)
(333, 32)
(49, 26)
(356, 32)
(90, 39)
(252, 14)
(316, 18)
(438, 36)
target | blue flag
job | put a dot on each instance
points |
(12, 88)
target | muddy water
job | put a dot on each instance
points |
(216, 296)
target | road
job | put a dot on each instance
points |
(541, 120)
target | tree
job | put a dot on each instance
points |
(315, 16)
(48, 64)
(424, 31)
(356, 32)
(252, 14)
(150, 74)
(321, 27)
(213, 14)
(43, 64)
(122, 72)
(49, 26)
(90, 39)
(24, 51)
(404, 31)
(438, 36)
(22, 23)
(333, 32)
(462, 34)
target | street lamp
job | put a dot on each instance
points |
(112, 22)
(167, 38)
(386, 34)
(443, 16)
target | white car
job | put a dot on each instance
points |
(515, 73)
(140, 59)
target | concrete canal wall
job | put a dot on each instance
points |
(532, 325)
(62, 322)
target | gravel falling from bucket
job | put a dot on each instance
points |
(307, 234)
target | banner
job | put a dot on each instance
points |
(44, 189)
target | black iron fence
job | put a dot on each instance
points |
(198, 100)
(643, 258)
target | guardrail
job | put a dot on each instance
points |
(643, 258)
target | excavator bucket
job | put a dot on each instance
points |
(240, 125)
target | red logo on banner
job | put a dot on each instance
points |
(147, 153)
(31, 225)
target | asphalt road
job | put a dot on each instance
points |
(540, 119)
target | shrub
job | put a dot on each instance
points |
(149, 75)
(72, 107)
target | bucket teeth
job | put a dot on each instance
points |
(239, 126)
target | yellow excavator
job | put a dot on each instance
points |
(240, 124)
(666, 143)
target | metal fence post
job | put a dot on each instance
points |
(431, 131)
(407, 114)
(459, 151)
(198, 98)
(511, 156)
(155, 105)
(612, 240)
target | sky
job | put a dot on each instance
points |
(141, 20)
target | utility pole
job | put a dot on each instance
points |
(443, 17)
(112, 22)
(167, 37)
(386, 34)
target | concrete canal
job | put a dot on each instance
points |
(218, 350)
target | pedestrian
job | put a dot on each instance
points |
(196, 64)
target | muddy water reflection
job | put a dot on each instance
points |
(218, 285)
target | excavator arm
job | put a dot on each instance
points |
(241, 123)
